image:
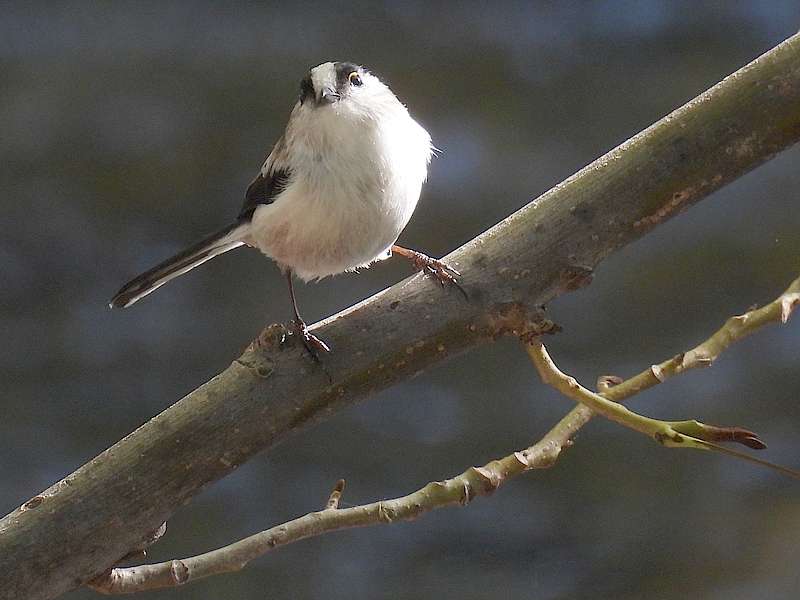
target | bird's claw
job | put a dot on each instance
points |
(440, 270)
(312, 343)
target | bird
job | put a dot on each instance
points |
(333, 195)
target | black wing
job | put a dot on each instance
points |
(263, 190)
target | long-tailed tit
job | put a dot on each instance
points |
(333, 195)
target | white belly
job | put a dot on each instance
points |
(318, 236)
(346, 203)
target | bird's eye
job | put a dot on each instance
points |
(355, 79)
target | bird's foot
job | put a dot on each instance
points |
(312, 343)
(440, 270)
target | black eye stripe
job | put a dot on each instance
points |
(306, 88)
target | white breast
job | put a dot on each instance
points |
(355, 182)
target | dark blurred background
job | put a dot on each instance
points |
(127, 130)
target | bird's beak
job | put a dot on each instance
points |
(328, 96)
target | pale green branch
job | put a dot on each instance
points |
(457, 491)
(704, 354)
(678, 434)
(682, 434)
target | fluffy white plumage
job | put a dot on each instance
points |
(335, 192)
(357, 167)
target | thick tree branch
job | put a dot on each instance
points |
(474, 482)
(80, 526)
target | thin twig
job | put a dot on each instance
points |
(679, 434)
(675, 434)
(459, 490)
(704, 354)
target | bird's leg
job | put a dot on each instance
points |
(313, 344)
(444, 273)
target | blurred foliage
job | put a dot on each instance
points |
(128, 129)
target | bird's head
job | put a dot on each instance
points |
(344, 85)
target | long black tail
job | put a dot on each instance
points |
(226, 239)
